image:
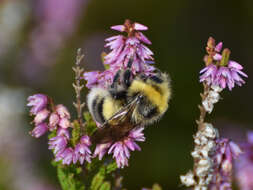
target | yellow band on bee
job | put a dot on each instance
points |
(153, 95)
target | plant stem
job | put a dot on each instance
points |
(117, 180)
(202, 110)
(78, 87)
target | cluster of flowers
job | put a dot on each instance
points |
(225, 151)
(121, 149)
(122, 49)
(219, 70)
(49, 118)
(204, 144)
(244, 165)
(213, 156)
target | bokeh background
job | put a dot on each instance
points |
(38, 43)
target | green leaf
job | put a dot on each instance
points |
(68, 177)
(76, 133)
(90, 125)
(79, 170)
(96, 163)
(52, 134)
(111, 167)
(105, 186)
(97, 181)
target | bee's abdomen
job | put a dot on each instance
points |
(98, 110)
(95, 100)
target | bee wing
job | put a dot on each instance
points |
(123, 113)
(117, 126)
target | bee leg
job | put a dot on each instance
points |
(127, 78)
(130, 62)
(116, 79)
(127, 75)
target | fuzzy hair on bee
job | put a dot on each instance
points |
(128, 102)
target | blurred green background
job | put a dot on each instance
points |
(38, 43)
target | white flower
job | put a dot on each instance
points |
(188, 179)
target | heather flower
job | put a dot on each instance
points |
(225, 152)
(99, 78)
(122, 49)
(53, 121)
(62, 111)
(121, 149)
(219, 69)
(59, 118)
(131, 46)
(66, 156)
(208, 74)
(92, 78)
(60, 141)
(38, 102)
(41, 116)
(39, 130)
(63, 132)
(82, 150)
(55, 22)
(211, 98)
(244, 165)
(101, 150)
(204, 144)
(64, 123)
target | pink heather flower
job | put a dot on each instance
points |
(208, 74)
(53, 121)
(125, 47)
(225, 152)
(220, 71)
(60, 117)
(91, 78)
(136, 26)
(66, 156)
(218, 47)
(230, 75)
(101, 150)
(41, 116)
(64, 123)
(102, 79)
(223, 78)
(244, 165)
(62, 111)
(122, 49)
(38, 102)
(121, 149)
(63, 132)
(39, 130)
(235, 70)
(82, 150)
(55, 22)
(58, 143)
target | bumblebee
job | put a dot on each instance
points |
(130, 101)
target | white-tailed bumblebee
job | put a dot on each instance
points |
(129, 102)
